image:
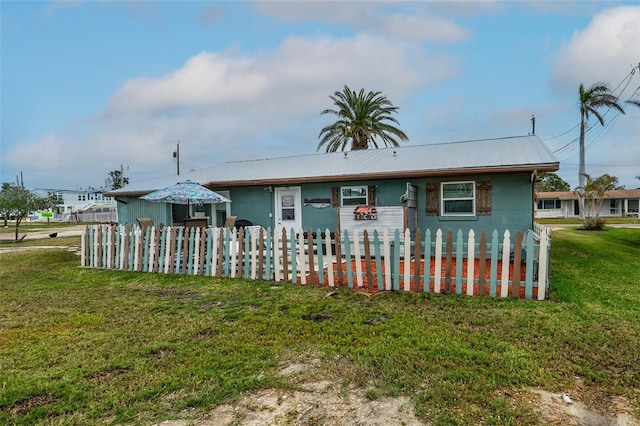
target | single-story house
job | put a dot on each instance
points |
(564, 204)
(478, 184)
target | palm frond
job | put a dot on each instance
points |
(364, 119)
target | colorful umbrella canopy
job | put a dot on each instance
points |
(186, 192)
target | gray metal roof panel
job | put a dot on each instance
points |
(499, 153)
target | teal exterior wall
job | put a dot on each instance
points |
(134, 208)
(511, 204)
(252, 203)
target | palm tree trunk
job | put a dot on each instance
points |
(581, 172)
(360, 141)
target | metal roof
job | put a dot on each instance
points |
(467, 157)
(573, 195)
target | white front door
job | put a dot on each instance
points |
(288, 208)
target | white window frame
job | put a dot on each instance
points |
(359, 187)
(557, 205)
(443, 212)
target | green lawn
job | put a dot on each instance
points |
(82, 346)
(575, 221)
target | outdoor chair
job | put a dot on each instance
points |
(196, 222)
(145, 222)
(230, 222)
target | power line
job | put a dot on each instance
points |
(605, 165)
(602, 130)
(154, 170)
(562, 134)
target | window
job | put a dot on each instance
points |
(549, 205)
(353, 195)
(458, 199)
(288, 210)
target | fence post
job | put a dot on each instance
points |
(407, 260)
(459, 260)
(83, 248)
(395, 262)
(427, 261)
(388, 273)
(482, 272)
(447, 267)
(517, 259)
(417, 260)
(506, 246)
(277, 256)
(327, 242)
(312, 272)
(438, 268)
(358, 258)
(530, 261)
(297, 254)
(377, 254)
(471, 260)
(367, 260)
(543, 265)
(261, 252)
(120, 247)
(494, 263)
(338, 245)
(320, 247)
(347, 258)
(285, 253)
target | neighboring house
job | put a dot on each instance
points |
(482, 184)
(564, 204)
(84, 205)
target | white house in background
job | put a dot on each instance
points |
(81, 205)
(564, 204)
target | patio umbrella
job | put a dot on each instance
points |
(186, 192)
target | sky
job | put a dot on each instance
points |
(89, 87)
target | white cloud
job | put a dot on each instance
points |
(49, 157)
(226, 106)
(606, 50)
(301, 73)
(418, 22)
(425, 28)
(204, 79)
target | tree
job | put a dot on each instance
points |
(5, 209)
(362, 120)
(116, 180)
(550, 182)
(595, 191)
(597, 96)
(18, 202)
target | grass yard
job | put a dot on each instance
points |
(83, 346)
(576, 221)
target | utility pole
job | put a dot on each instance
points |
(121, 176)
(176, 155)
(533, 124)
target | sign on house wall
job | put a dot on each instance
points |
(387, 217)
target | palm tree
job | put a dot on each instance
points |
(362, 119)
(597, 96)
(595, 192)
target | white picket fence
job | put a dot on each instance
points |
(494, 265)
